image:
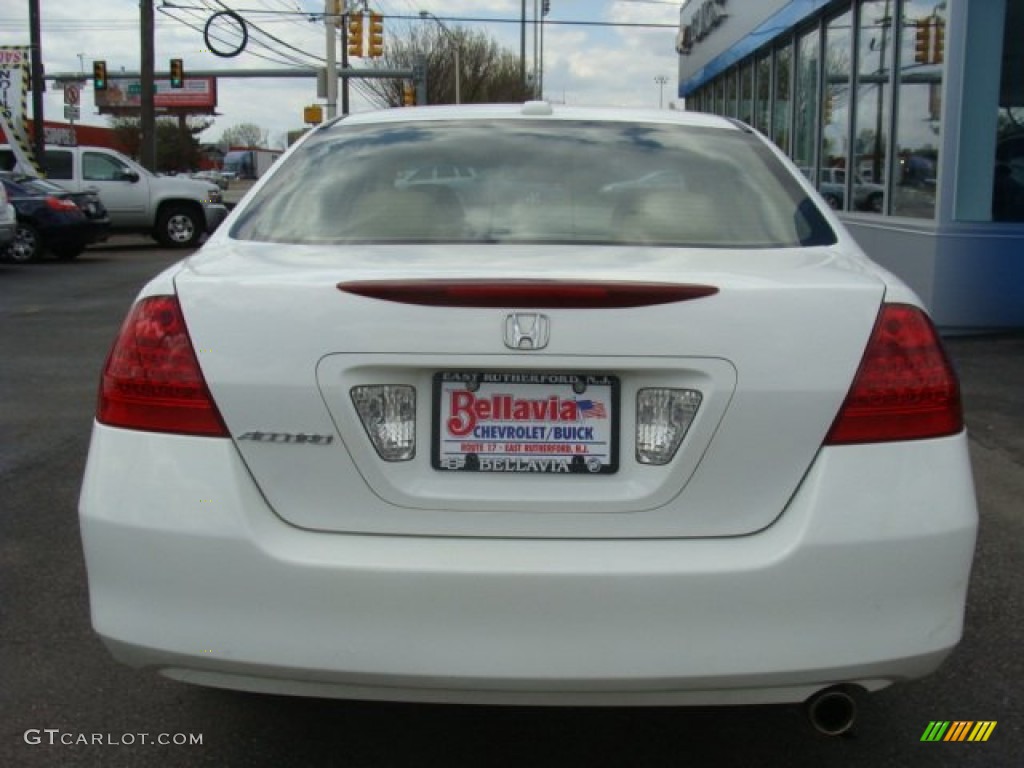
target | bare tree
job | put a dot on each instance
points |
(244, 135)
(488, 73)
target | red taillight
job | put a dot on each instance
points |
(59, 204)
(152, 380)
(526, 294)
(905, 389)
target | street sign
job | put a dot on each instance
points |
(313, 114)
(72, 112)
(72, 94)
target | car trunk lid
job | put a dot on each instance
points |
(771, 352)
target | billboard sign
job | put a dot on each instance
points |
(124, 94)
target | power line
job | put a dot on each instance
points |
(468, 19)
(359, 86)
(167, 12)
(273, 37)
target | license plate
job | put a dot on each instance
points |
(545, 423)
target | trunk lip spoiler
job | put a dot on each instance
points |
(527, 293)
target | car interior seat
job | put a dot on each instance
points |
(423, 212)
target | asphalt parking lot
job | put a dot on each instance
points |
(58, 320)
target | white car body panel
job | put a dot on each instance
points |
(221, 591)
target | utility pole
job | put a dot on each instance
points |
(545, 9)
(147, 82)
(536, 48)
(331, 8)
(39, 129)
(456, 44)
(344, 59)
(661, 80)
(522, 47)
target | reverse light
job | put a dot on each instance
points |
(388, 414)
(152, 380)
(663, 417)
(905, 388)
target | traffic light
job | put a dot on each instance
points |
(408, 95)
(828, 107)
(177, 73)
(376, 35)
(939, 51)
(923, 43)
(99, 75)
(355, 34)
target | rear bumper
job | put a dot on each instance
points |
(862, 580)
(8, 227)
(68, 234)
(99, 230)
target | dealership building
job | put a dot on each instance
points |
(908, 115)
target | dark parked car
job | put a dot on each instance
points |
(52, 219)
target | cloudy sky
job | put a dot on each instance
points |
(584, 64)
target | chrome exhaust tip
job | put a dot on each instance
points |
(832, 711)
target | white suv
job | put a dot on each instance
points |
(175, 211)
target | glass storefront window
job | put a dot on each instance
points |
(781, 107)
(922, 56)
(720, 96)
(730, 94)
(873, 99)
(746, 113)
(1008, 185)
(835, 129)
(806, 114)
(763, 86)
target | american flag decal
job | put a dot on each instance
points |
(591, 410)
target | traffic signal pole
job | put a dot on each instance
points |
(344, 64)
(38, 130)
(330, 19)
(147, 81)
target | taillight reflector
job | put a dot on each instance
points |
(905, 388)
(60, 204)
(152, 380)
(526, 294)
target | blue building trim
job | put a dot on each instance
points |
(780, 23)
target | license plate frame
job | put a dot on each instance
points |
(525, 422)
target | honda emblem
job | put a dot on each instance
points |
(527, 330)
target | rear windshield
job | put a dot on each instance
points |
(41, 185)
(564, 182)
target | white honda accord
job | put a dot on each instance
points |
(552, 435)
